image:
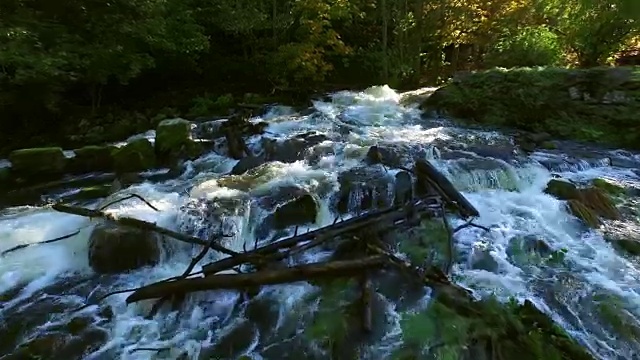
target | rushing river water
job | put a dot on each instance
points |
(39, 285)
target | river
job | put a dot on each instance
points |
(39, 285)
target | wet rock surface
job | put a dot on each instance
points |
(116, 249)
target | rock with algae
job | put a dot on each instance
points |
(468, 329)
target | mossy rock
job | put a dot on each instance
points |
(548, 145)
(5, 176)
(92, 192)
(608, 187)
(631, 246)
(36, 162)
(600, 203)
(463, 328)
(92, 158)
(581, 104)
(613, 314)
(173, 140)
(562, 190)
(138, 155)
(584, 213)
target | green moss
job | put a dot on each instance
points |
(138, 155)
(330, 323)
(584, 213)
(92, 158)
(590, 104)
(612, 312)
(562, 190)
(5, 176)
(548, 145)
(428, 243)
(454, 329)
(609, 188)
(38, 161)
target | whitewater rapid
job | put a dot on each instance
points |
(506, 188)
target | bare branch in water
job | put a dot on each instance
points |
(470, 224)
(131, 196)
(22, 246)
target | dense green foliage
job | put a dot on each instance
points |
(590, 105)
(102, 70)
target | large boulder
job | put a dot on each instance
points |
(38, 162)
(116, 249)
(173, 140)
(92, 158)
(138, 155)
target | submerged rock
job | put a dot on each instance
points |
(116, 249)
(38, 162)
(138, 155)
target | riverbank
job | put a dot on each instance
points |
(597, 105)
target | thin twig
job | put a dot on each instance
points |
(131, 196)
(470, 224)
(22, 246)
(149, 349)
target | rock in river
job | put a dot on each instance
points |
(138, 155)
(116, 249)
(173, 140)
(38, 162)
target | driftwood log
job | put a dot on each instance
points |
(265, 277)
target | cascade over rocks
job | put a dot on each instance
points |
(115, 249)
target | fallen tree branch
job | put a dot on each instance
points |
(470, 224)
(156, 307)
(131, 196)
(389, 218)
(22, 246)
(425, 172)
(140, 224)
(260, 278)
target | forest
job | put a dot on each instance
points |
(76, 72)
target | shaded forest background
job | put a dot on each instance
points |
(74, 72)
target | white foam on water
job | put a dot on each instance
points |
(510, 200)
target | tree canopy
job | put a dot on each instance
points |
(62, 62)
